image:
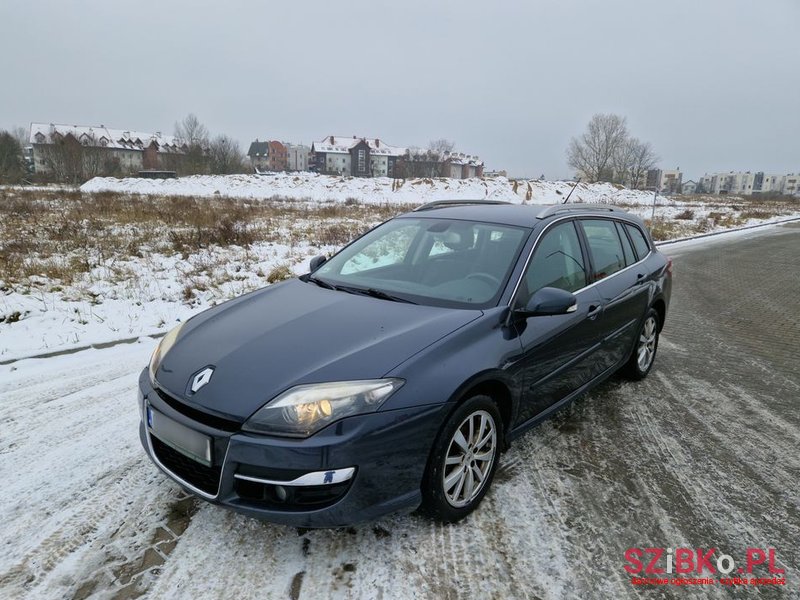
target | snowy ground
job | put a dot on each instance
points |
(132, 281)
(691, 457)
(310, 186)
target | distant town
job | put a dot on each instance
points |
(74, 153)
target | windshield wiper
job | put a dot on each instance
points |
(384, 296)
(357, 290)
(322, 283)
(374, 293)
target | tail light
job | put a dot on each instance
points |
(669, 266)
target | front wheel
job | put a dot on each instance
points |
(644, 349)
(463, 461)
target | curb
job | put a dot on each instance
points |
(723, 232)
(76, 349)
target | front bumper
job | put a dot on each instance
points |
(387, 451)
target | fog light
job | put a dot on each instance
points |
(281, 493)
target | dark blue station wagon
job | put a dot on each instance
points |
(393, 375)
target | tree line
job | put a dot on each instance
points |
(68, 160)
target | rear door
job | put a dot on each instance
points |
(619, 280)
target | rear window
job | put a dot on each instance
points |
(639, 241)
(630, 257)
(605, 246)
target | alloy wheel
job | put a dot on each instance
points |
(647, 344)
(469, 459)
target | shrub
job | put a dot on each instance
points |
(279, 273)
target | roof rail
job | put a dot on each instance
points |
(445, 203)
(557, 208)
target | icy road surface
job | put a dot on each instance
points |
(704, 453)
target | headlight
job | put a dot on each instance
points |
(161, 350)
(305, 409)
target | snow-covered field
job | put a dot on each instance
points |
(323, 188)
(105, 264)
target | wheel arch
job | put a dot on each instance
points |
(497, 386)
(661, 308)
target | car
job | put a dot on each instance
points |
(393, 374)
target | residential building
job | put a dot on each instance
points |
(276, 160)
(458, 165)
(665, 181)
(102, 150)
(297, 157)
(744, 183)
(791, 185)
(258, 155)
(357, 156)
(689, 187)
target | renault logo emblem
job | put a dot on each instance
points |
(202, 378)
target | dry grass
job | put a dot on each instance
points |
(61, 235)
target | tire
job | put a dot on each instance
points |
(644, 348)
(446, 492)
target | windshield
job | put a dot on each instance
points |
(443, 262)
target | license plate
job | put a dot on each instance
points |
(187, 441)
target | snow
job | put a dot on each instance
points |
(343, 144)
(322, 188)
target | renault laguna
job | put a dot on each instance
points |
(394, 373)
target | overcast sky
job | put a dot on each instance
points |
(712, 84)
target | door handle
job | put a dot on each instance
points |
(594, 310)
(640, 279)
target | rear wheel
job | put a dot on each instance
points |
(644, 349)
(464, 459)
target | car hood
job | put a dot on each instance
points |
(292, 333)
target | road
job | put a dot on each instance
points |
(702, 454)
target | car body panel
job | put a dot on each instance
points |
(294, 333)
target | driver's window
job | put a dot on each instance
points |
(557, 262)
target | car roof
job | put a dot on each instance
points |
(525, 215)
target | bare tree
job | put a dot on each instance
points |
(592, 154)
(63, 158)
(621, 162)
(191, 131)
(21, 133)
(420, 163)
(194, 135)
(225, 156)
(12, 167)
(643, 159)
(441, 146)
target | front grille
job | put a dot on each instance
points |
(200, 476)
(199, 416)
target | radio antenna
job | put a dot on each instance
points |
(577, 181)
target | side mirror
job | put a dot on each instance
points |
(550, 301)
(316, 262)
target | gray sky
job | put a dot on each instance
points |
(712, 84)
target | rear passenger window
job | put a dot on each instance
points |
(639, 241)
(605, 246)
(557, 262)
(627, 249)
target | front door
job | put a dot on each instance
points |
(558, 350)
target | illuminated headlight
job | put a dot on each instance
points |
(305, 409)
(161, 350)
